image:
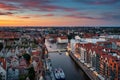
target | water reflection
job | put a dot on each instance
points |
(62, 60)
(72, 71)
(67, 54)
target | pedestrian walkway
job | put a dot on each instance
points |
(59, 50)
(48, 70)
(89, 73)
(49, 75)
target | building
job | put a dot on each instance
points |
(62, 39)
(2, 73)
(101, 59)
(3, 62)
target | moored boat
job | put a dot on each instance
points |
(57, 75)
(61, 73)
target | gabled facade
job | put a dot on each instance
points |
(105, 61)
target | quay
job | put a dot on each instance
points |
(87, 71)
(57, 50)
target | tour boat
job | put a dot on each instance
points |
(57, 75)
(61, 73)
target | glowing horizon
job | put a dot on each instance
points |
(58, 13)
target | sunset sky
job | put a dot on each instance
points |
(59, 12)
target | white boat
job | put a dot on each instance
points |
(41, 78)
(61, 73)
(56, 73)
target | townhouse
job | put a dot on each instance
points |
(3, 69)
(105, 61)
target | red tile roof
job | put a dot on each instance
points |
(36, 53)
(7, 35)
(3, 61)
(63, 37)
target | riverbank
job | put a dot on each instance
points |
(60, 59)
(87, 71)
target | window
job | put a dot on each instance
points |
(112, 60)
(114, 65)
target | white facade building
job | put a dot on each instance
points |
(2, 73)
(62, 40)
(73, 42)
(93, 40)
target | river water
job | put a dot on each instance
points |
(64, 61)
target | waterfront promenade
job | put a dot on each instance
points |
(87, 71)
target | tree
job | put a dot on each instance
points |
(0, 77)
(70, 36)
(1, 46)
(22, 77)
(31, 73)
(27, 57)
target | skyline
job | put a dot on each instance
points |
(59, 13)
